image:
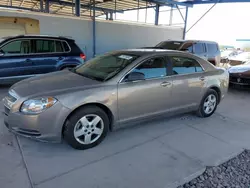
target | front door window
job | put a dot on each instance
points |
(18, 47)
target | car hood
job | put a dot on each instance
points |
(239, 68)
(57, 82)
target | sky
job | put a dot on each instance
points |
(225, 23)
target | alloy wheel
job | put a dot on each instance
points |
(88, 129)
(210, 104)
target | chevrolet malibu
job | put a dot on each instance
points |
(81, 105)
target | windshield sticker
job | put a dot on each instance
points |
(127, 57)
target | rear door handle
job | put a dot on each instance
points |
(28, 60)
(202, 78)
(164, 84)
(60, 58)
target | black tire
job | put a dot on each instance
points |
(201, 112)
(67, 68)
(71, 122)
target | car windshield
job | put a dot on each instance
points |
(226, 53)
(243, 56)
(171, 45)
(106, 66)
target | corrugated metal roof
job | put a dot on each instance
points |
(67, 7)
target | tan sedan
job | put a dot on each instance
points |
(81, 105)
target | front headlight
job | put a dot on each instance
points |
(37, 105)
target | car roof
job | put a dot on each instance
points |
(147, 51)
(206, 41)
(37, 36)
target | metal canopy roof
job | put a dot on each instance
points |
(195, 2)
(101, 6)
(68, 8)
(94, 8)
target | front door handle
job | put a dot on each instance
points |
(164, 84)
(202, 78)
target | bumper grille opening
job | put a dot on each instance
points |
(27, 132)
(239, 80)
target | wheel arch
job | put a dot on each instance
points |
(102, 106)
(67, 65)
(218, 91)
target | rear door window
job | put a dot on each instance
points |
(212, 48)
(199, 48)
(45, 46)
(184, 65)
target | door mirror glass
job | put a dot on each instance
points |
(134, 76)
(1, 53)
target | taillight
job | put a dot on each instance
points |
(83, 56)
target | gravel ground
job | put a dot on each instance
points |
(234, 173)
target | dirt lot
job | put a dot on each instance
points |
(160, 154)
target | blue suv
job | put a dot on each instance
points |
(24, 56)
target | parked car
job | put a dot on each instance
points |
(83, 104)
(227, 54)
(240, 74)
(24, 56)
(207, 50)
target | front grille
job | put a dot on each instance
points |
(27, 132)
(239, 80)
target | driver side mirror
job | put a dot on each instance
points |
(1, 53)
(135, 76)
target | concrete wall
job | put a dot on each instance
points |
(110, 35)
(31, 25)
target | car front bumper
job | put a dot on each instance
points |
(46, 126)
(239, 79)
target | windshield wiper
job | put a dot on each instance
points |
(92, 77)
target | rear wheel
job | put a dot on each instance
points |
(86, 128)
(208, 104)
(67, 67)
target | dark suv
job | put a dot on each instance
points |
(206, 49)
(24, 56)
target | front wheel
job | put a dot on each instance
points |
(86, 128)
(208, 104)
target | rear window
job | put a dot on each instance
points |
(171, 45)
(212, 48)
